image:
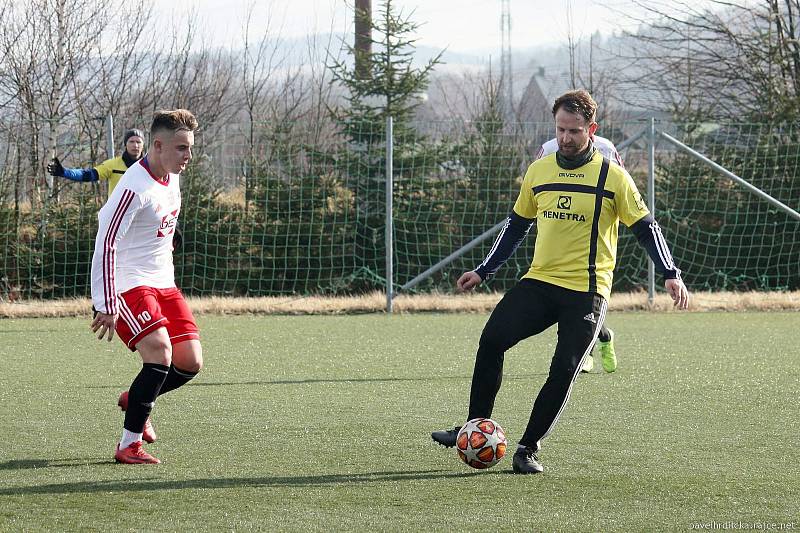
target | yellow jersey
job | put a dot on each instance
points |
(111, 170)
(578, 213)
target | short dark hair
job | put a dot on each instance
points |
(579, 102)
(173, 120)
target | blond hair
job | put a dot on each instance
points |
(173, 120)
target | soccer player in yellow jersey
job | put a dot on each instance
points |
(605, 338)
(578, 198)
(110, 169)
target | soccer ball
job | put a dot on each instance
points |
(481, 443)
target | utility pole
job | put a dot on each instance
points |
(363, 39)
(506, 79)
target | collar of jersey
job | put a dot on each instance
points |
(161, 181)
(571, 163)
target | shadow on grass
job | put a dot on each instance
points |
(234, 482)
(31, 464)
(327, 380)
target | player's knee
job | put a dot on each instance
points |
(189, 356)
(495, 339)
(159, 356)
(196, 365)
(156, 350)
(563, 371)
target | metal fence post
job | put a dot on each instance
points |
(389, 225)
(110, 135)
(651, 204)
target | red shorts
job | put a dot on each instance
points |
(143, 310)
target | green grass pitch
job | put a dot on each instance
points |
(323, 423)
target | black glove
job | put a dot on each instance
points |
(177, 239)
(54, 167)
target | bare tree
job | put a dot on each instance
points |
(45, 46)
(731, 59)
(260, 61)
(118, 61)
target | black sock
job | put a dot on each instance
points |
(176, 378)
(142, 395)
(604, 335)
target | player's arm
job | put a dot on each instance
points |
(649, 235)
(114, 220)
(511, 236)
(506, 243)
(177, 237)
(55, 168)
(633, 212)
(514, 231)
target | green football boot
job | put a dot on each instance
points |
(607, 354)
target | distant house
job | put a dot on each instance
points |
(533, 105)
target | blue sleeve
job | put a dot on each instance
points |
(80, 174)
(511, 236)
(649, 235)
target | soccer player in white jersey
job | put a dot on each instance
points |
(133, 279)
(605, 339)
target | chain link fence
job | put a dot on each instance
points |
(293, 208)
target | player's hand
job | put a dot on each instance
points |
(55, 168)
(104, 324)
(679, 293)
(468, 281)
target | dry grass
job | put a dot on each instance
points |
(441, 303)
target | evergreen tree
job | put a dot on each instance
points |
(392, 87)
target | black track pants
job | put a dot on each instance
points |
(529, 308)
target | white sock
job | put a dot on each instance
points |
(128, 438)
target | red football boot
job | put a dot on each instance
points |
(149, 432)
(134, 455)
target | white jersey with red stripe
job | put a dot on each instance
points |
(603, 145)
(133, 246)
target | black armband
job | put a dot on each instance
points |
(507, 242)
(649, 235)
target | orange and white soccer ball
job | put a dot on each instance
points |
(481, 443)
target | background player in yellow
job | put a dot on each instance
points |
(578, 198)
(110, 169)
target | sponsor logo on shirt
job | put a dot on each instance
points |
(564, 202)
(168, 223)
(570, 175)
(560, 215)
